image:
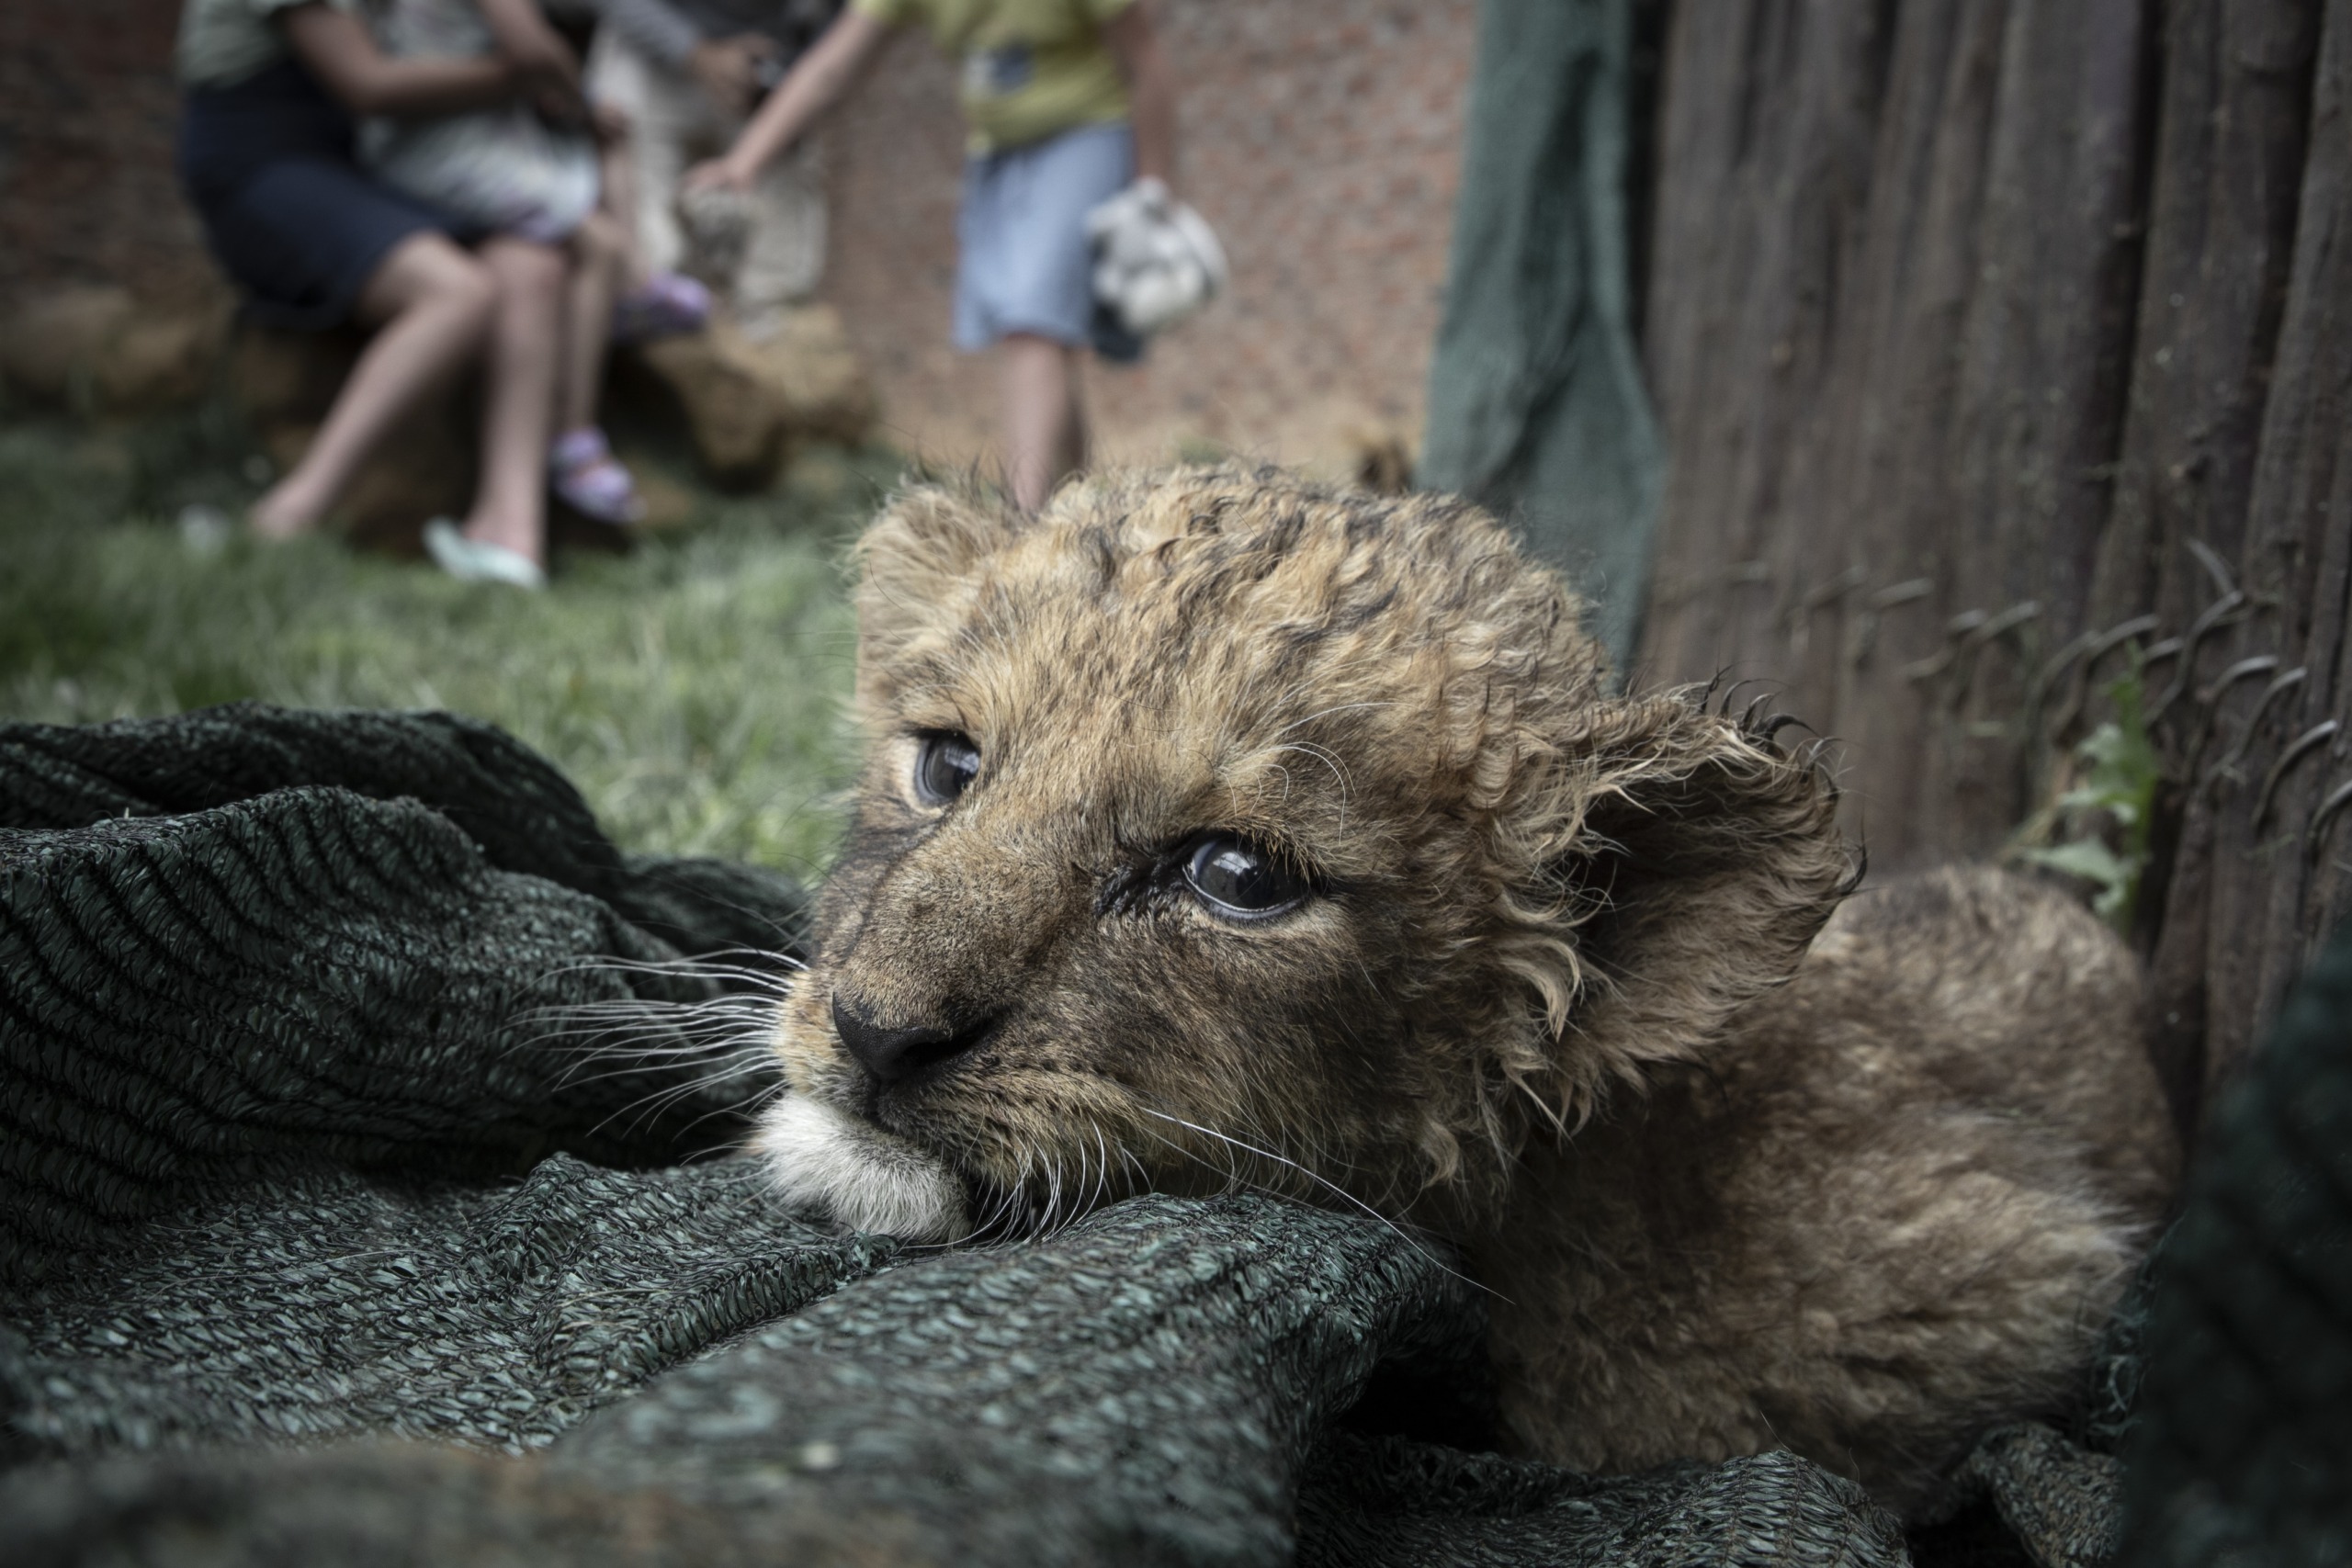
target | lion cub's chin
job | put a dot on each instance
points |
(857, 1174)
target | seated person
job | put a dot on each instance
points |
(265, 153)
(529, 170)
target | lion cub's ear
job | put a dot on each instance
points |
(918, 571)
(1681, 863)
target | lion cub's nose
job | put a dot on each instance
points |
(890, 1053)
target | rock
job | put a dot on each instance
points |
(277, 377)
(737, 428)
(806, 361)
(746, 399)
(96, 349)
(162, 360)
(52, 343)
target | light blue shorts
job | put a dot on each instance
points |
(1026, 265)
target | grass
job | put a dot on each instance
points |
(693, 689)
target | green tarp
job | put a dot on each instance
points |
(1536, 406)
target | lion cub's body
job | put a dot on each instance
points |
(1220, 828)
(1895, 1211)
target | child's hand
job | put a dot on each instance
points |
(546, 61)
(558, 106)
(720, 174)
(543, 62)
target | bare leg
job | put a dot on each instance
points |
(661, 127)
(518, 399)
(431, 304)
(619, 163)
(599, 255)
(1043, 427)
(1079, 452)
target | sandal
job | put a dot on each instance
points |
(588, 480)
(477, 561)
(664, 305)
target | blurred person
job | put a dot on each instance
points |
(266, 157)
(654, 302)
(685, 76)
(529, 171)
(1067, 101)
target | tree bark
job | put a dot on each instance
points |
(1993, 340)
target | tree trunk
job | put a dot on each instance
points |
(1993, 342)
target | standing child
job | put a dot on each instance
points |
(1067, 100)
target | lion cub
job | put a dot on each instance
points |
(1218, 828)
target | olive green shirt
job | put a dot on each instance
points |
(1031, 68)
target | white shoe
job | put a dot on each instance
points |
(475, 560)
(205, 530)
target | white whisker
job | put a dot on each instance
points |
(1333, 1188)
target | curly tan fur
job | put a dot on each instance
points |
(1540, 1001)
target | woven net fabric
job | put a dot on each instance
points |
(2240, 1447)
(323, 1239)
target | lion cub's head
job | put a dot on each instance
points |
(1215, 827)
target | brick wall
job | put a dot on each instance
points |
(1319, 137)
(86, 111)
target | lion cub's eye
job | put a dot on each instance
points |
(945, 767)
(1240, 880)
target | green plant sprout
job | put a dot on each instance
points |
(2113, 802)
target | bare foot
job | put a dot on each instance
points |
(284, 512)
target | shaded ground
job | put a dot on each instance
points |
(692, 688)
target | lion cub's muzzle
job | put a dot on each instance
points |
(854, 1162)
(893, 1051)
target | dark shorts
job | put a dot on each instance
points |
(292, 219)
